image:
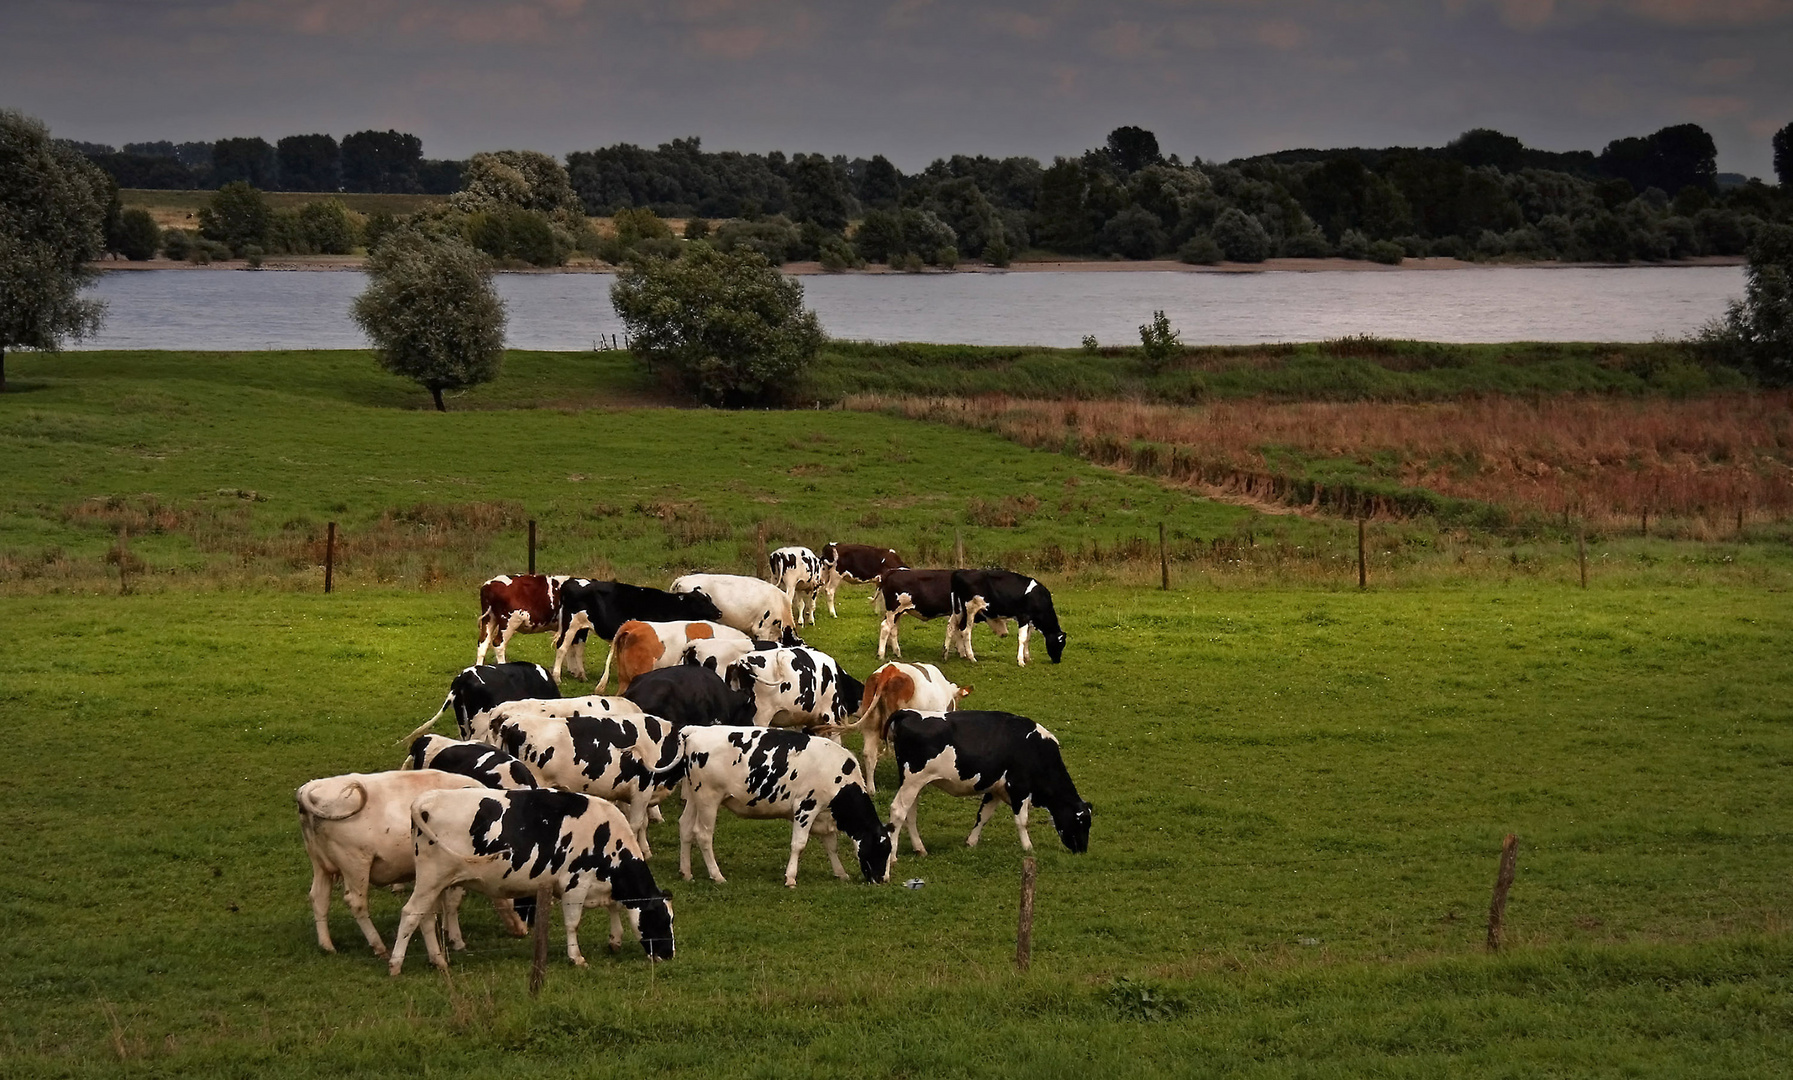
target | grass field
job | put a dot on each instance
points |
(1300, 788)
(180, 209)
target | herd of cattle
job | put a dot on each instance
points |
(717, 698)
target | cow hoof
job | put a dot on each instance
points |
(615, 947)
(392, 970)
(790, 884)
(331, 949)
(379, 951)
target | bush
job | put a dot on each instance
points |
(379, 224)
(947, 257)
(1241, 236)
(1386, 252)
(326, 227)
(176, 243)
(772, 238)
(431, 312)
(1134, 233)
(1757, 332)
(137, 236)
(1200, 250)
(253, 253)
(1158, 342)
(879, 236)
(996, 252)
(725, 325)
(837, 255)
(236, 216)
(1306, 244)
(639, 223)
(1354, 244)
(697, 228)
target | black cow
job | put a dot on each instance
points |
(485, 686)
(997, 755)
(925, 594)
(1003, 594)
(603, 606)
(690, 697)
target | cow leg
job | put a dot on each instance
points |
(508, 918)
(902, 810)
(985, 811)
(488, 629)
(322, 881)
(419, 909)
(571, 644)
(887, 634)
(517, 621)
(706, 838)
(1022, 655)
(354, 891)
(800, 826)
(1021, 825)
(830, 834)
(639, 804)
(830, 583)
(873, 748)
(572, 909)
(451, 918)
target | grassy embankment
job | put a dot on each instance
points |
(180, 209)
(1300, 788)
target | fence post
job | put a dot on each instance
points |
(1363, 579)
(1644, 526)
(958, 550)
(330, 557)
(1581, 551)
(1163, 561)
(1740, 523)
(1024, 927)
(532, 545)
(1497, 909)
(538, 969)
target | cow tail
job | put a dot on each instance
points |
(616, 643)
(308, 803)
(859, 724)
(675, 772)
(423, 829)
(430, 723)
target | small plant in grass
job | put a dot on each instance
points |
(1133, 1000)
(1158, 341)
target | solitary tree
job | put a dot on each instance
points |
(431, 312)
(52, 222)
(725, 325)
(1783, 156)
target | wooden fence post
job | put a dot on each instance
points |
(330, 557)
(1024, 927)
(1581, 551)
(538, 969)
(532, 545)
(1644, 524)
(958, 550)
(1497, 909)
(1163, 561)
(1363, 579)
(1740, 523)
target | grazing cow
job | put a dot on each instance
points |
(490, 765)
(515, 843)
(718, 654)
(801, 687)
(996, 755)
(477, 689)
(482, 725)
(612, 757)
(924, 594)
(798, 572)
(356, 828)
(601, 607)
(1003, 594)
(893, 688)
(644, 646)
(515, 604)
(778, 774)
(757, 608)
(858, 563)
(691, 697)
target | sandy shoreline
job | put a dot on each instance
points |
(1066, 266)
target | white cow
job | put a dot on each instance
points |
(357, 827)
(516, 843)
(798, 571)
(758, 608)
(760, 773)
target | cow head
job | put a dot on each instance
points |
(877, 855)
(789, 639)
(1055, 645)
(652, 917)
(1073, 825)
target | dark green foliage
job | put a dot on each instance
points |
(1304, 245)
(1241, 236)
(1386, 252)
(878, 183)
(1353, 245)
(1783, 155)
(1133, 233)
(158, 171)
(1485, 146)
(821, 192)
(1158, 342)
(1063, 219)
(697, 228)
(439, 177)
(52, 224)
(309, 163)
(431, 312)
(326, 228)
(725, 326)
(138, 237)
(1133, 148)
(1756, 333)
(379, 223)
(996, 252)
(879, 236)
(835, 254)
(1200, 250)
(249, 161)
(522, 235)
(774, 239)
(381, 161)
(1668, 160)
(237, 216)
(177, 244)
(961, 205)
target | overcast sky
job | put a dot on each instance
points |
(913, 79)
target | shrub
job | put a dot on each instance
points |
(947, 257)
(996, 252)
(772, 238)
(1134, 233)
(1354, 244)
(837, 255)
(236, 216)
(137, 236)
(176, 243)
(1386, 252)
(1757, 331)
(1158, 342)
(379, 224)
(431, 312)
(726, 325)
(253, 254)
(697, 228)
(879, 236)
(326, 227)
(1200, 250)
(639, 223)
(1307, 244)
(1241, 236)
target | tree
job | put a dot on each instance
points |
(237, 216)
(138, 237)
(1063, 221)
(1133, 148)
(1757, 331)
(431, 312)
(1241, 236)
(1670, 159)
(879, 183)
(381, 161)
(726, 326)
(309, 163)
(1133, 233)
(1783, 156)
(326, 228)
(249, 160)
(819, 193)
(52, 223)
(1158, 341)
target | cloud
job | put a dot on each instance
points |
(1018, 24)
(1281, 34)
(1720, 70)
(1603, 97)
(1714, 108)
(1710, 12)
(732, 43)
(1125, 40)
(1526, 14)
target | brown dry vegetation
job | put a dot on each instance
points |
(1610, 460)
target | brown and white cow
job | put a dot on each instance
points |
(925, 595)
(640, 647)
(357, 828)
(895, 687)
(516, 604)
(859, 564)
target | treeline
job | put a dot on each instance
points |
(367, 161)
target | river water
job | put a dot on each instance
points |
(224, 309)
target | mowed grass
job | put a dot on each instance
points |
(1300, 798)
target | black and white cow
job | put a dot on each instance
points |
(1003, 594)
(355, 830)
(996, 755)
(482, 724)
(719, 654)
(612, 757)
(515, 843)
(924, 595)
(856, 563)
(490, 765)
(798, 572)
(600, 607)
(761, 773)
(757, 608)
(691, 697)
(483, 686)
(800, 687)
